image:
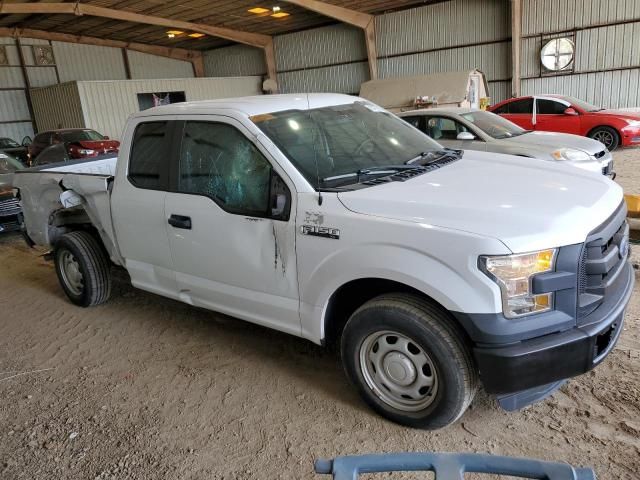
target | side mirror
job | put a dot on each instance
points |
(279, 205)
(570, 111)
(280, 198)
(26, 141)
(106, 138)
(466, 136)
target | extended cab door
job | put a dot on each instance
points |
(137, 204)
(230, 225)
(551, 117)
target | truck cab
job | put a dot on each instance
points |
(326, 217)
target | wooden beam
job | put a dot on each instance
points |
(346, 15)
(516, 41)
(198, 66)
(175, 53)
(248, 38)
(352, 17)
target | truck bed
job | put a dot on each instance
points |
(87, 185)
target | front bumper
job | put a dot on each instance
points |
(630, 136)
(557, 356)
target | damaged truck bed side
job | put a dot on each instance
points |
(326, 217)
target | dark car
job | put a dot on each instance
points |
(13, 148)
(10, 211)
(78, 143)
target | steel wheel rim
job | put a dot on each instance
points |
(604, 137)
(71, 272)
(398, 371)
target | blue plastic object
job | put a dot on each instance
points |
(450, 466)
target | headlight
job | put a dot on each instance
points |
(633, 123)
(86, 151)
(514, 275)
(571, 155)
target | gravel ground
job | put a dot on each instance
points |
(145, 388)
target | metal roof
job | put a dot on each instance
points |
(230, 14)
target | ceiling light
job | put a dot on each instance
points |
(279, 14)
(171, 35)
(196, 35)
(276, 9)
(174, 33)
(258, 10)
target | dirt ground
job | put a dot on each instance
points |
(148, 388)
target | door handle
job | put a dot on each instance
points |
(180, 221)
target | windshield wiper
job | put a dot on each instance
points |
(433, 156)
(380, 170)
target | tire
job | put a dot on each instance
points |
(428, 348)
(607, 136)
(83, 269)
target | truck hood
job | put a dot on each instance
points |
(626, 114)
(550, 141)
(527, 204)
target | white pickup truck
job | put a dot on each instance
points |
(326, 217)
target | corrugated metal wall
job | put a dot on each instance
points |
(15, 120)
(143, 65)
(409, 42)
(107, 105)
(235, 60)
(607, 59)
(57, 106)
(88, 62)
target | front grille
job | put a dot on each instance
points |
(600, 154)
(603, 258)
(10, 206)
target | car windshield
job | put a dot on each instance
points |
(336, 141)
(8, 164)
(81, 136)
(8, 143)
(493, 125)
(581, 104)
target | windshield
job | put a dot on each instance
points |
(581, 104)
(493, 125)
(8, 164)
(8, 143)
(81, 136)
(335, 141)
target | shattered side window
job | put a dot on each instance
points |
(218, 161)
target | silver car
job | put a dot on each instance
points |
(472, 129)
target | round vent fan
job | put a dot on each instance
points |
(557, 54)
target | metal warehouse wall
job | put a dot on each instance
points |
(409, 42)
(606, 69)
(57, 106)
(107, 105)
(15, 121)
(72, 62)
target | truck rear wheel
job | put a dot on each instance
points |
(408, 361)
(83, 269)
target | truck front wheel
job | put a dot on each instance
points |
(408, 361)
(83, 269)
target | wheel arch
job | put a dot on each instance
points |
(605, 125)
(350, 296)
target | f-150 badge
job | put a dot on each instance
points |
(326, 232)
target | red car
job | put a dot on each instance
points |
(557, 113)
(78, 142)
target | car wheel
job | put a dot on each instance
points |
(607, 136)
(408, 361)
(83, 269)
